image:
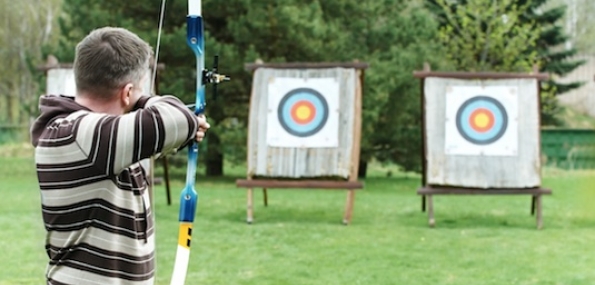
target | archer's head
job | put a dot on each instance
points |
(110, 67)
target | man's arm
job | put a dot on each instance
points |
(160, 124)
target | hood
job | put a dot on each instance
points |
(52, 107)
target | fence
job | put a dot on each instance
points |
(568, 148)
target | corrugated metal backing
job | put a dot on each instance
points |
(523, 170)
(274, 162)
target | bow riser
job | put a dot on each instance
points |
(189, 196)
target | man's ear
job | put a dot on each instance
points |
(126, 95)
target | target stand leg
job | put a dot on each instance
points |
(430, 204)
(349, 207)
(265, 197)
(533, 198)
(166, 174)
(539, 218)
(249, 206)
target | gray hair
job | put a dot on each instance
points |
(108, 58)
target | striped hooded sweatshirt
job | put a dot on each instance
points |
(95, 206)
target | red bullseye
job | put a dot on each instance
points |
(302, 112)
(481, 120)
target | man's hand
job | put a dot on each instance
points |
(203, 126)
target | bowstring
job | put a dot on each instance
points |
(154, 71)
(154, 75)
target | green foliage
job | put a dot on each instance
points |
(550, 107)
(487, 35)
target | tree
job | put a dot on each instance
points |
(487, 35)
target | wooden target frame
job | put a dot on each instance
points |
(430, 189)
(333, 183)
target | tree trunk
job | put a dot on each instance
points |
(363, 168)
(214, 156)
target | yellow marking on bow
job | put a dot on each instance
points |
(184, 236)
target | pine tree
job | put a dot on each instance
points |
(484, 35)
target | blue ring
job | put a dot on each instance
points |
(500, 120)
(288, 101)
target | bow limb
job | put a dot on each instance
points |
(189, 196)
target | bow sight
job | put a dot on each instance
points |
(211, 76)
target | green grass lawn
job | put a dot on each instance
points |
(299, 238)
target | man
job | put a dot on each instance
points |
(95, 205)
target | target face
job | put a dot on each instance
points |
(303, 113)
(481, 120)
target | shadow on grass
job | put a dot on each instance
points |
(280, 214)
(486, 222)
(469, 220)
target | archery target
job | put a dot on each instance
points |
(303, 113)
(481, 120)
